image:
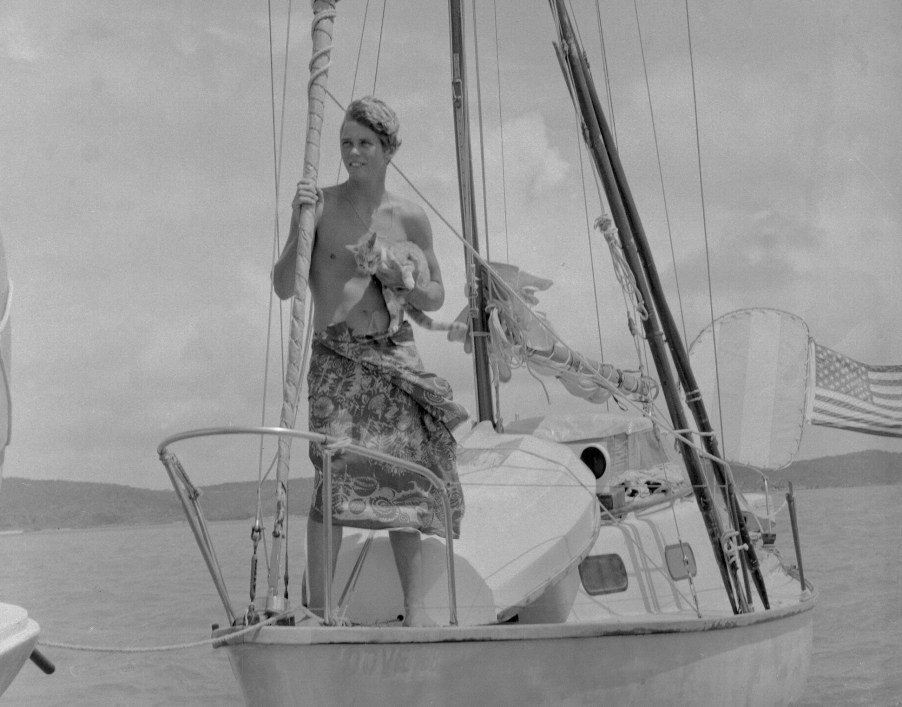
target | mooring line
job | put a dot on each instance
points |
(171, 647)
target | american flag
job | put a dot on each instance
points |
(853, 396)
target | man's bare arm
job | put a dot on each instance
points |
(283, 272)
(432, 296)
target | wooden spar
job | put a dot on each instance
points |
(323, 14)
(678, 351)
(603, 154)
(477, 277)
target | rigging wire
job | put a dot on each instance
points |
(507, 254)
(589, 239)
(478, 71)
(641, 346)
(601, 200)
(379, 45)
(358, 62)
(673, 260)
(654, 132)
(485, 199)
(366, 14)
(278, 133)
(630, 305)
(638, 340)
(278, 151)
(278, 141)
(701, 187)
(604, 67)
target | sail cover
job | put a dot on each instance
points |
(752, 371)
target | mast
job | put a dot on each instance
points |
(604, 155)
(477, 277)
(323, 14)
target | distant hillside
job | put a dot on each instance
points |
(27, 504)
(858, 469)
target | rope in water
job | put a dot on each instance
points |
(171, 647)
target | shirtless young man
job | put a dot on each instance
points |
(350, 317)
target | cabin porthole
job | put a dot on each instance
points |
(596, 458)
(680, 561)
(603, 574)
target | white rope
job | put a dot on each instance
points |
(171, 647)
(316, 72)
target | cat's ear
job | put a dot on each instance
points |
(371, 241)
(352, 248)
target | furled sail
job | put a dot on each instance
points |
(764, 378)
(519, 335)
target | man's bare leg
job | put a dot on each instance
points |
(408, 549)
(316, 562)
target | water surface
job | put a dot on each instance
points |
(139, 587)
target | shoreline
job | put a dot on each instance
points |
(120, 526)
(776, 488)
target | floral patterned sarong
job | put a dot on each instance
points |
(374, 390)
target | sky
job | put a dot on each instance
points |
(148, 164)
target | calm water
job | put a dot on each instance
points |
(147, 587)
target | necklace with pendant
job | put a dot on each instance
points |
(367, 224)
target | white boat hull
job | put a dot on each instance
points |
(641, 644)
(658, 630)
(753, 659)
(18, 635)
(640, 618)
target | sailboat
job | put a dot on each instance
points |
(18, 631)
(620, 572)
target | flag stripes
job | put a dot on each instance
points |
(853, 396)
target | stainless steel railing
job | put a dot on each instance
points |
(189, 496)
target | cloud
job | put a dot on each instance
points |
(16, 44)
(534, 166)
